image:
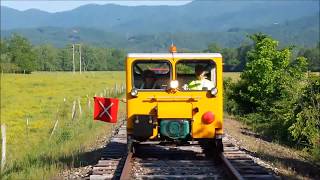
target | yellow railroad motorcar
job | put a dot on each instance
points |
(174, 97)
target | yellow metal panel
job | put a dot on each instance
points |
(155, 132)
(178, 105)
(174, 110)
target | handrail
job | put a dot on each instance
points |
(171, 98)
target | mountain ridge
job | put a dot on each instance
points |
(300, 32)
(196, 16)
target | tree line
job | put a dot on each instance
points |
(18, 55)
(276, 96)
(235, 59)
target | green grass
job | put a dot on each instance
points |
(235, 76)
(43, 98)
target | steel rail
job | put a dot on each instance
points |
(234, 174)
(126, 171)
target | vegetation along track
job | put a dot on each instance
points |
(174, 162)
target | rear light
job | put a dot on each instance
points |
(208, 117)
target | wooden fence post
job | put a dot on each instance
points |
(89, 106)
(122, 88)
(73, 113)
(27, 128)
(3, 150)
(80, 109)
(54, 128)
(112, 93)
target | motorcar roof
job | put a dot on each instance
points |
(175, 55)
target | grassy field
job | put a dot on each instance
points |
(233, 75)
(30, 107)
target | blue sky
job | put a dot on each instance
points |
(56, 6)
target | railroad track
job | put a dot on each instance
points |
(174, 162)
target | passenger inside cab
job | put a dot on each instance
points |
(149, 80)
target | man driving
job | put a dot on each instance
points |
(201, 82)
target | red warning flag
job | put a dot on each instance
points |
(106, 109)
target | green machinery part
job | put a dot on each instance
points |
(175, 129)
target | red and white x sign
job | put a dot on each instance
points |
(106, 109)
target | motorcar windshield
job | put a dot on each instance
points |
(196, 75)
(151, 75)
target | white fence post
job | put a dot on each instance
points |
(80, 109)
(27, 129)
(3, 150)
(116, 89)
(112, 93)
(54, 128)
(73, 113)
(122, 88)
(89, 104)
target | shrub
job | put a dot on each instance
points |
(268, 91)
(269, 76)
(306, 120)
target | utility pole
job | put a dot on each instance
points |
(80, 57)
(74, 68)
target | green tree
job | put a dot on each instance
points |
(213, 48)
(313, 57)
(306, 120)
(92, 59)
(117, 59)
(5, 61)
(230, 56)
(269, 87)
(46, 58)
(65, 59)
(21, 54)
(267, 75)
(244, 48)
